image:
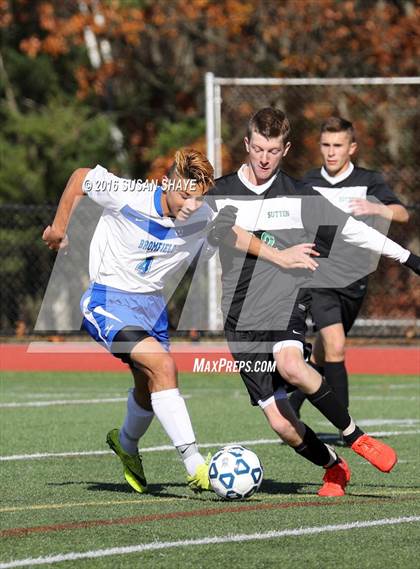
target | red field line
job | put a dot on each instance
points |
(87, 356)
(22, 531)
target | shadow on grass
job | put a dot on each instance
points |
(160, 490)
(274, 487)
(332, 439)
(269, 486)
(96, 486)
(336, 440)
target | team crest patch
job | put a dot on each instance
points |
(268, 239)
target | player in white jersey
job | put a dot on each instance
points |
(350, 188)
(145, 233)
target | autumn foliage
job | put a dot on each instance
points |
(154, 53)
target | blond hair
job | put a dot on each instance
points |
(191, 164)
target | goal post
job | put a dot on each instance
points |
(386, 115)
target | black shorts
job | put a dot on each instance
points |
(125, 340)
(335, 306)
(253, 350)
(257, 366)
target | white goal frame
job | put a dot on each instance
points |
(213, 93)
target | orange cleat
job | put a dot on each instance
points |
(380, 455)
(335, 480)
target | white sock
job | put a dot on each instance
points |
(192, 462)
(350, 429)
(191, 457)
(333, 456)
(172, 413)
(136, 423)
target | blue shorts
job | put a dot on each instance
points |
(108, 310)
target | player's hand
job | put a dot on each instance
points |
(221, 225)
(298, 257)
(413, 263)
(360, 206)
(54, 239)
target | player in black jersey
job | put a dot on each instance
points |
(350, 188)
(263, 313)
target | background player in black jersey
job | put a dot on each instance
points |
(264, 318)
(349, 188)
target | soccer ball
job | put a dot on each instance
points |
(235, 472)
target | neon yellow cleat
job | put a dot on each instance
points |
(200, 481)
(133, 467)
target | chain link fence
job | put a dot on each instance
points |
(25, 265)
(41, 290)
(386, 117)
(27, 268)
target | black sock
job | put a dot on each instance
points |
(297, 397)
(350, 439)
(336, 377)
(319, 369)
(326, 401)
(314, 450)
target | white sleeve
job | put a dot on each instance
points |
(359, 234)
(106, 189)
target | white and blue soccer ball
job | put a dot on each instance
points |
(235, 472)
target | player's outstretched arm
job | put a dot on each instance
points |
(55, 234)
(361, 235)
(223, 230)
(296, 257)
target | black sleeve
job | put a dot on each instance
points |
(379, 189)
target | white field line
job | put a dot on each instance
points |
(403, 385)
(254, 442)
(383, 398)
(53, 402)
(27, 395)
(238, 538)
(401, 423)
(57, 402)
(15, 404)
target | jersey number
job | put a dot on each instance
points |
(144, 266)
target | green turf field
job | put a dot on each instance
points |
(65, 506)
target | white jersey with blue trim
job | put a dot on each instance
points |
(134, 246)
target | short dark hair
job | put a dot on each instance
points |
(269, 122)
(338, 124)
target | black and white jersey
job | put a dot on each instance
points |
(354, 183)
(282, 213)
